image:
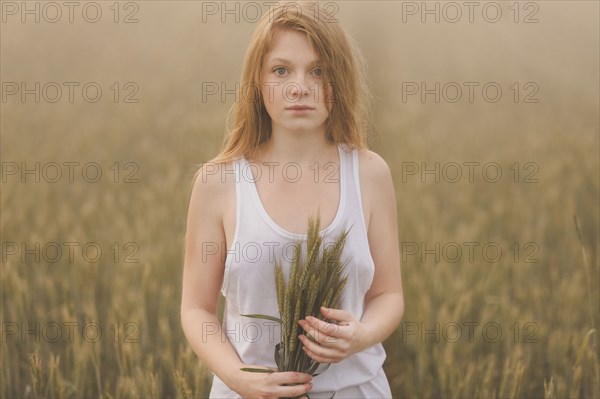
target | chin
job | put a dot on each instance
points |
(302, 127)
(302, 124)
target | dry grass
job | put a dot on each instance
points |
(171, 130)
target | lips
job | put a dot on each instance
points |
(300, 108)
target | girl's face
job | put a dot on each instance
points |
(292, 84)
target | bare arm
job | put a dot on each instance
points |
(384, 302)
(202, 279)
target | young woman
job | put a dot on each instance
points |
(296, 147)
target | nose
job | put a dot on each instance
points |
(299, 87)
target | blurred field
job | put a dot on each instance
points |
(547, 311)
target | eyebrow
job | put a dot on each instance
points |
(316, 61)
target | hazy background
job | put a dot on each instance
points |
(541, 294)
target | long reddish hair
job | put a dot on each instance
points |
(347, 95)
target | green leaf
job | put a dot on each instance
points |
(256, 370)
(262, 316)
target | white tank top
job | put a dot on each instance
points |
(249, 282)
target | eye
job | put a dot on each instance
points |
(279, 69)
(318, 72)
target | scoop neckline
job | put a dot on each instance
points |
(286, 233)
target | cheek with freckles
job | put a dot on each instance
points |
(272, 102)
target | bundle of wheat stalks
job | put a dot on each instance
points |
(313, 282)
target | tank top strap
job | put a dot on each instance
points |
(353, 208)
(247, 218)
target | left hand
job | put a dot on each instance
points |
(333, 342)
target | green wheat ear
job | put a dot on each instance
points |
(257, 370)
(315, 281)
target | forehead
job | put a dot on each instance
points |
(292, 46)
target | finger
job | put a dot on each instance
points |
(291, 377)
(316, 336)
(293, 390)
(322, 341)
(319, 350)
(323, 357)
(320, 330)
(340, 315)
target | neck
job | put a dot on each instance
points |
(302, 147)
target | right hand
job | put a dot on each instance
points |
(252, 385)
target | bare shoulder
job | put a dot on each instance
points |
(212, 187)
(377, 189)
(374, 171)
